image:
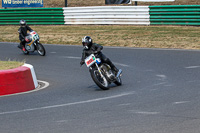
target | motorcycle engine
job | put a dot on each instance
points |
(108, 72)
(28, 47)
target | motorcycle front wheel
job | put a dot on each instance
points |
(99, 80)
(40, 49)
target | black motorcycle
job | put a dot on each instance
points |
(101, 73)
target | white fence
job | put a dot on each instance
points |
(136, 15)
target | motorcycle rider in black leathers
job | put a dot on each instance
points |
(23, 33)
(93, 48)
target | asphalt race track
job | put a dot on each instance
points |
(160, 93)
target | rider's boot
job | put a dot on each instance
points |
(20, 46)
(119, 73)
(23, 48)
(115, 70)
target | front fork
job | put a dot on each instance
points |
(99, 70)
(36, 44)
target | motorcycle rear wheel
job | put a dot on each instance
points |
(40, 49)
(118, 81)
(99, 80)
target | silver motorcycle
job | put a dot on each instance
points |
(32, 44)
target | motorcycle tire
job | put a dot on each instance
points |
(101, 82)
(41, 49)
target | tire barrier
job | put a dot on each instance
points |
(125, 15)
(42, 16)
(175, 15)
(134, 15)
(18, 80)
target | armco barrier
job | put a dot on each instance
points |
(32, 16)
(18, 80)
(175, 15)
(138, 15)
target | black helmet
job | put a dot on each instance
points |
(87, 42)
(22, 23)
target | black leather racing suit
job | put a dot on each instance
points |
(96, 50)
(23, 33)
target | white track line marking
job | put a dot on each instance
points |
(68, 104)
(45, 86)
(72, 57)
(78, 58)
(191, 67)
(181, 102)
(37, 89)
(145, 113)
(120, 64)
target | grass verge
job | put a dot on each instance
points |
(5, 65)
(181, 37)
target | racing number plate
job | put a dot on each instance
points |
(90, 60)
(34, 35)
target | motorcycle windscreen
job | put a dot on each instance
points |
(117, 1)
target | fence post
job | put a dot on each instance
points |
(135, 3)
(65, 3)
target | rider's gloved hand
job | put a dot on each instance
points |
(82, 62)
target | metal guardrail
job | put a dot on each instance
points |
(138, 15)
(32, 16)
(175, 15)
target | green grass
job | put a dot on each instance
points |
(5, 65)
(182, 37)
